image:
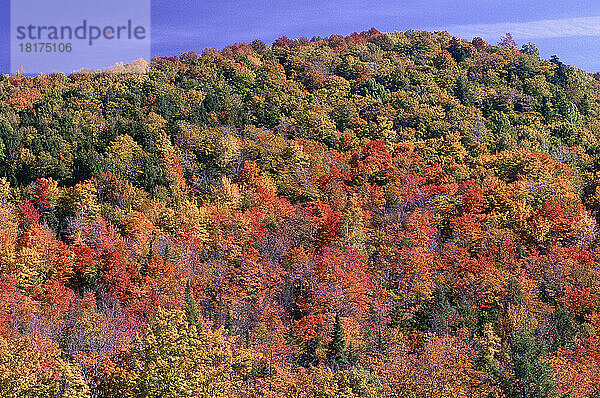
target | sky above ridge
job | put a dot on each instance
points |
(569, 29)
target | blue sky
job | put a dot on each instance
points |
(569, 29)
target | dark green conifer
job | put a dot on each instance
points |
(336, 351)
(190, 305)
(531, 373)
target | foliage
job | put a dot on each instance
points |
(402, 214)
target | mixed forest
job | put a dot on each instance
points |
(400, 214)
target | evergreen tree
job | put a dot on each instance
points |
(190, 305)
(308, 357)
(336, 351)
(532, 375)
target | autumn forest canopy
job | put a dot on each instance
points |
(400, 214)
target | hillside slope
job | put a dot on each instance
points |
(383, 214)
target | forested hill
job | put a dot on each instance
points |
(377, 215)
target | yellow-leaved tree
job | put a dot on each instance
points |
(32, 368)
(172, 358)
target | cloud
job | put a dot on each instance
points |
(542, 29)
